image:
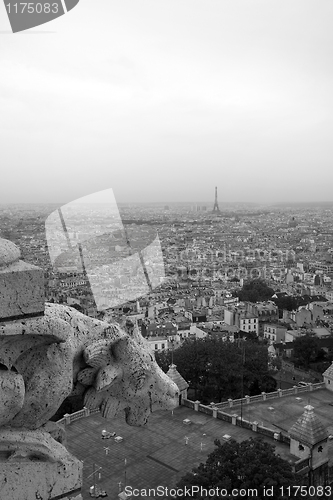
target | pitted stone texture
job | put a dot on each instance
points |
(41, 467)
(48, 378)
(133, 382)
(9, 252)
(18, 336)
(29, 445)
(56, 431)
(12, 392)
(21, 290)
(126, 377)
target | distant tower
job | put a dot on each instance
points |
(216, 206)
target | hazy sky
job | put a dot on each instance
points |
(161, 100)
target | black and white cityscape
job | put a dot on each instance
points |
(241, 310)
(168, 168)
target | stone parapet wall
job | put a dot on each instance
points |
(269, 395)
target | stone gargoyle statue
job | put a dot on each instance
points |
(63, 352)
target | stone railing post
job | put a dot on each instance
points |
(263, 396)
(311, 386)
(234, 419)
(86, 411)
(255, 426)
(295, 389)
(215, 410)
(67, 418)
(196, 405)
(230, 401)
(279, 391)
(248, 399)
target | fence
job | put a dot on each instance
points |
(265, 431)
(243, 423)
(188, 403)
(206, 409)
(69, 418)
(224, 416)
(284, 438)
(269, 395)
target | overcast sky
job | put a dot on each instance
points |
(162, 100)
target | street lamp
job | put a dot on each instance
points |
(93, 490)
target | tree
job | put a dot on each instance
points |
(276, 363)
(306, 350)
(290, 303)
(255, 291)
(252, 336)
(163, 359)
(251, 464)
(217, 370)
(192, 359)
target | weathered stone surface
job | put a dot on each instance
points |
(21, 290)
(39, 468)
(23, 443)
(48, 378)
(87, 376)
(9, 253)
(98, 353)
(56, 431)
(18, 336)
(12, 392)
(124, 369)
(134, 382)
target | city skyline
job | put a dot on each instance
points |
(164, 101)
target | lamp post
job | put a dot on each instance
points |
(202, 444)
(242, 381)
(125, 474)
(94, 474)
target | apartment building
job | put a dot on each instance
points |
(245, 320)
(274, 332)
(249, 323)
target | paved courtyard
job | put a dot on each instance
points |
(155, 454)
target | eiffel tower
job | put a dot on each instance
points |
(216, 205)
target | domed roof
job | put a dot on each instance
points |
(9, 252)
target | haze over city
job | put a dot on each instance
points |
(162, 101)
